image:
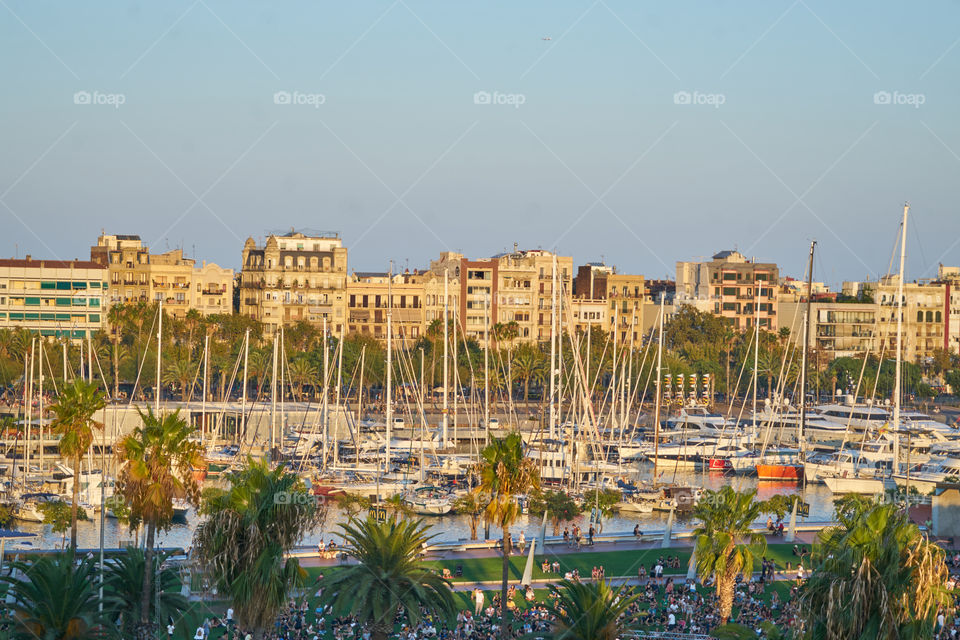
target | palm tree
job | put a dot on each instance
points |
(389, 576)
(505, 473)
(157, 459)
(301, 372)
(526, 362)
(124, 580)
(589, 611)
(874, 576)
(726, 517)
(182, 373)
(471, 504)
(55, 596)
(247, 531)
(74, 424)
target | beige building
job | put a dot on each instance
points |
(588, 314)
(54, 298)
(369, 296)
(625, 296)
(514, 287)
(839, 329)
(949, 277)
(734, 285)
(923, 314)
(295, 277)
(136, 275)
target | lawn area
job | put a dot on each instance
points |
(615, 563)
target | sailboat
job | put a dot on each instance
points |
(793, 469)
(863, 481)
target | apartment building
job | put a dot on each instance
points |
(623, 294)
(369, 296)
(136, 275)
(734, 285)
(55, 298)
(838, 329)
(295, 277)
(949, 277)
(515, 287)
(923, 314)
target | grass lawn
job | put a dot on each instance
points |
(615, 563)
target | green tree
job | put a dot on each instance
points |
(245, 536)
(156, 464)
(559, 505)
(59, 515)
(726, 517)
(124, 580)
(505, 473)
(74, 423)
(874, 576)
(589, 611)
(471, 504)
(603, 501)
(55, 596)
(388, 576)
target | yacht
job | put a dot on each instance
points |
(430, 501)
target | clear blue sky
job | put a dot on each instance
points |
(599, 160)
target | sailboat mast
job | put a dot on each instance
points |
(756, 351)
(388, 398)
(659, 391)
(336, 406)
(806, 348)
(206, 377)
(273, 394)
(156, 399)
(897, 377)
(446, 382)
(553, 348)
(326, 394)
(243, 402)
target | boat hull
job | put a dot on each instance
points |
(779, 472)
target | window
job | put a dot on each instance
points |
(48, 285)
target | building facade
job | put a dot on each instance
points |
(735, 286)
(625, 296)
(54, 298)
(295, 277)
(136, 275)
(949, 277)
(513, 289)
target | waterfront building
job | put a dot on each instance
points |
(295, 277)
(731, 285)
(55, 298)
(625, 294)
(949, 277)
(136, 275)
(368, 302)
(923, 314)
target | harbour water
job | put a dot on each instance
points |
(455, 527)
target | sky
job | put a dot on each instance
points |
(637, 133)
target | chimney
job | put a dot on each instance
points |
(29, 257)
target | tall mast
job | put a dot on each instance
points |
(486, 368)
(756, 349)
(40, 406)
(659, 391)
(326, 393)
(446, 382)
(206, 377)
(273, 394)
(897, 376)
(553, 348)
(388, 398)
(243, 402)
(156, 399)
(336, 406)
(806, 347)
